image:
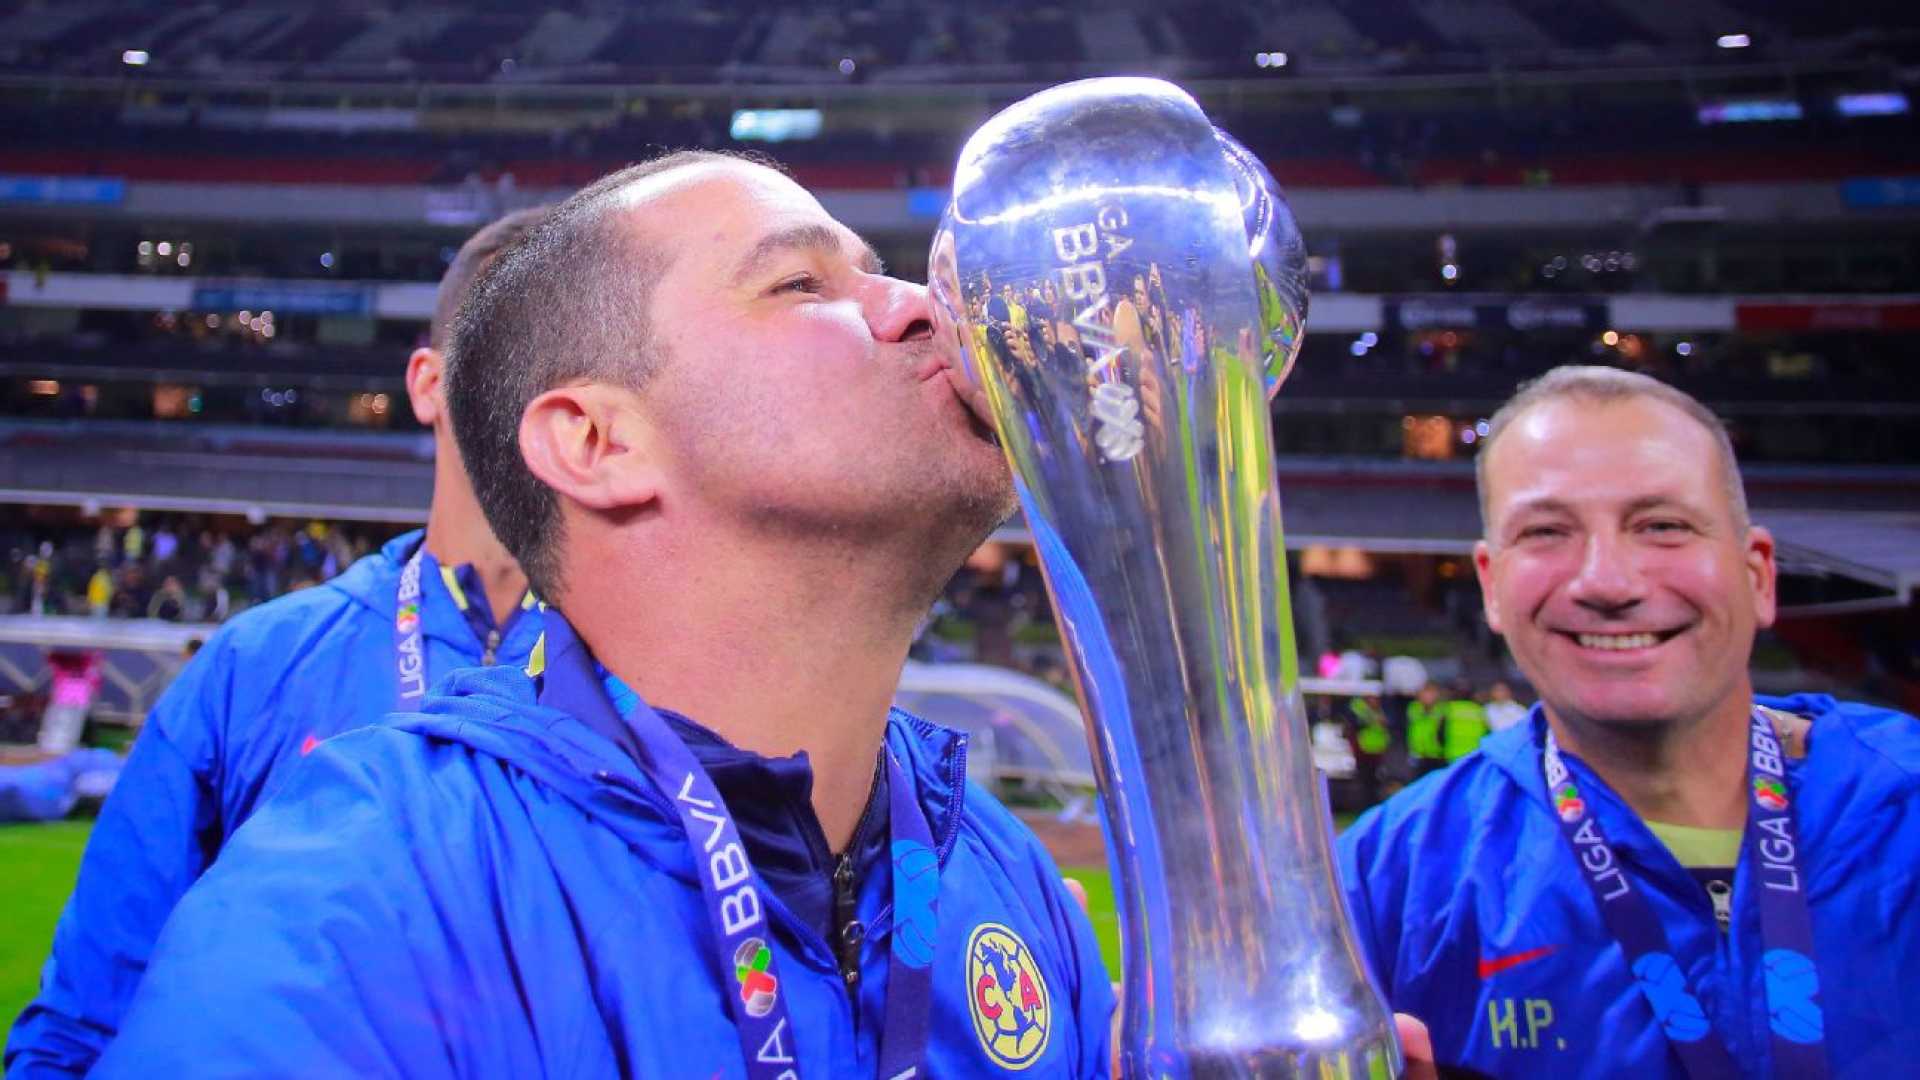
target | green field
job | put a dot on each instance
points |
(39, 863)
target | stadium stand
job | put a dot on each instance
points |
(219, 226)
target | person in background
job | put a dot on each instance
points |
(100, 592)
(269, 686)
(1463, 723)
(1370, 743)
(169, 602)
(1502, 711)
(1658, 873)
(1425, 714)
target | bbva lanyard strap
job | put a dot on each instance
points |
(1786, 928)
(736, 910)
(409, 644)
(409, 640)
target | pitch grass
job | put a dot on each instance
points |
(38, 864)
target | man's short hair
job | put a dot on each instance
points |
(1603, 385)
(479, 250)
(568, 303)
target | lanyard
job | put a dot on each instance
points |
(409, 646)
(734, 893)
(1786, 929)
(409, 642)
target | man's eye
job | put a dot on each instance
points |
(1667, 527)
(1539, 532)
(803, 283)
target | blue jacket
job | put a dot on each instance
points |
(1478, 922)
(272, 681)
(493, 887)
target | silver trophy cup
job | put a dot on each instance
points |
(1127, 286)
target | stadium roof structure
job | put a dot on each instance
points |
(1877, 554)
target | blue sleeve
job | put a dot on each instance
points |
(1089, 988)
(157, 832)
(1354, 852)
(1093, 1000)
(308, 949)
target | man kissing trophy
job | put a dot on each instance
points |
(1128, 288)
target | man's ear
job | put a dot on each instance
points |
(426, 385)
(1483, 569)
(1763, 574)
(589, 444)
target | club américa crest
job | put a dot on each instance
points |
(1770, 793)
(1008, 997)
(758, 988)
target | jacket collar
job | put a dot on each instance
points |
(567, 680)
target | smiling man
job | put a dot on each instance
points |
(1657, 873)
(692, 838)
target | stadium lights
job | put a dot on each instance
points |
(1758, 110)
(135, 58)
(1733, 41)
(1270, 59)
(1887, 103)
(774, 125)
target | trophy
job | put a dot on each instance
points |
(1128, 287)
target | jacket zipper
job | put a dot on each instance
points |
(850, 933)
(493, 646)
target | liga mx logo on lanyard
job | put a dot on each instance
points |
(1566, 797)
(758, 987)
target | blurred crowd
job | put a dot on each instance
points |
(1399, 723)
(178, 568)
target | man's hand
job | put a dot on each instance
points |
(1415, 1044)
(1079, 892)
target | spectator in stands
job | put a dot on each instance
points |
(100, 592)
(697, 522)
(40, 582)
(266, 689)
(1502, 711)
(169, 601)
(1658, 873)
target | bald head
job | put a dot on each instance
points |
(1606, 386)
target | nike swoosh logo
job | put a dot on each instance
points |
(1491, 967)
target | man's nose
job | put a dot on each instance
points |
(898, 310)
(1609, 579)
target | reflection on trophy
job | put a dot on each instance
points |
(1128, 286)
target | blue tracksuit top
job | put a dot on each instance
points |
(302, 667)
(1478, 922)
(493, 887)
